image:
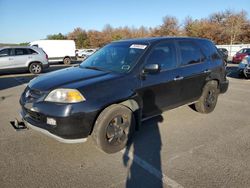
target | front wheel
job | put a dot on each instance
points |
(35, 68)
(208, 99)
(113, 128)
(246, 73)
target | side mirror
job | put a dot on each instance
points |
(151, 68)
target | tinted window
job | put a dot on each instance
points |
(5, 52)
(30, 51)
(209, 49)
(163, 54)
(190, 53)
(21, 51)
(244, 51)
(248, 51)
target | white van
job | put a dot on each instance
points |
(57, 50)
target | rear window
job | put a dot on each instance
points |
(22, 51)
(209, 49)
(32, 51)
(190, 53)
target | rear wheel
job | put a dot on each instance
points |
(67, 61)
(208, 99)
(35, 68)
(113, 128)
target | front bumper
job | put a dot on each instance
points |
(58, 138)
(73, 121)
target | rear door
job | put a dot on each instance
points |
(194, 68)
(161, 90)
(6, 58)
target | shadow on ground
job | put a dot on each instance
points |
(8, 82)
(142, 156)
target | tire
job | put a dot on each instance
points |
(241, 74)
(245, 73)
(225, 63)
(113, 128)
(35, 68)
(208, 99)
(67, 61)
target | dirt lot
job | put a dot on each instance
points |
(180, 148)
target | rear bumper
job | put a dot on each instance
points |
(45, 66)
(224, 86)
(236, 59)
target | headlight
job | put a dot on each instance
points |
(65, 96)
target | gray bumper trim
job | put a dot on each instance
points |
(67, 141)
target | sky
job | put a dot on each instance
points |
(29, 20)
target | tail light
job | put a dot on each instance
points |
(46, 56)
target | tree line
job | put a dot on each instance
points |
(226, 27)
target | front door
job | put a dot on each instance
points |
(6, 58)
(161, 90)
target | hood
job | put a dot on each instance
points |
(63, 77)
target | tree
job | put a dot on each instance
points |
(226, 27)
(58, 36)
(170, 27)
(24, 44)
(234, 23)
(80, 37)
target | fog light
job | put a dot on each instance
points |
(51, 121)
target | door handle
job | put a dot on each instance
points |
(207, 71)
(178, 78)
(10, 58)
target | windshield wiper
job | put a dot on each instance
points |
(95, 68)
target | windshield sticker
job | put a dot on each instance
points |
(138, 46)
(125, 67)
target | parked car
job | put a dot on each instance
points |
(122, 84)
(244, 67)
(224, 53)
(84, 53)
(20, 57)
(57, 50)
(238, 57)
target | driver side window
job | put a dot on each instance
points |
(5, 52)
(163, 54)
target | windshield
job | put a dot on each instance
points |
(115, 57)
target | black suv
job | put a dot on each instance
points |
(112, 91)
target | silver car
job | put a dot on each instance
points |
(31, 58)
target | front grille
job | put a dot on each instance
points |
(34, 116)
(32, 95)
